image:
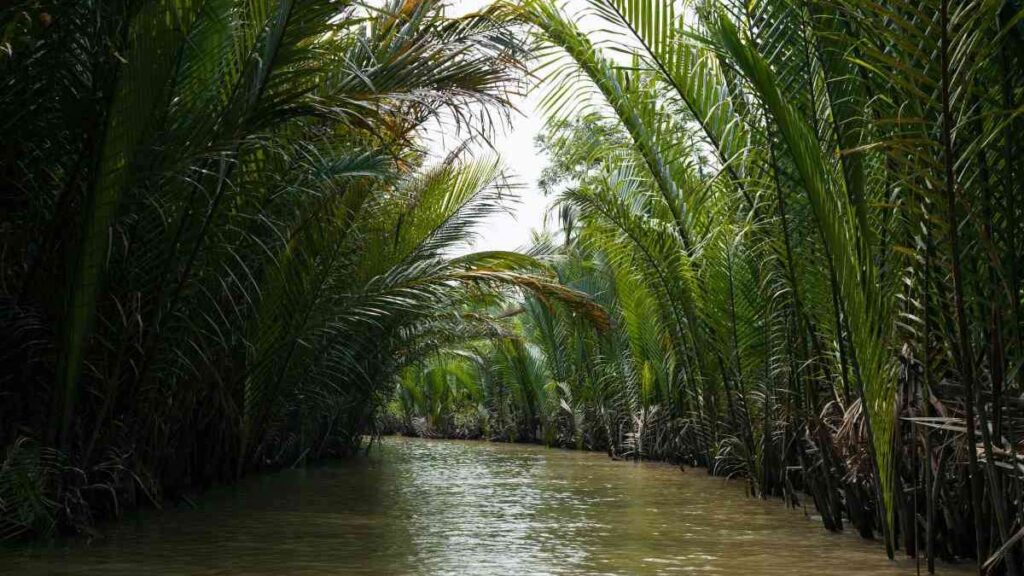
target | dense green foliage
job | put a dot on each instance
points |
(804, 219)
(221, 234)
(790, 247)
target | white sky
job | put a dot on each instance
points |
(524, 164)
(515, 147)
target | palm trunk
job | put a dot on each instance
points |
(964, 351)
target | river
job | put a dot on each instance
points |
(463, 508)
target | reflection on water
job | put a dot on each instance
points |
(442, 507)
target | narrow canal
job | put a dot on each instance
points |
(446, 507)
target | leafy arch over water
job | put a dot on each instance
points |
(788, 247)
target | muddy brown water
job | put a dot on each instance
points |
(465, 508)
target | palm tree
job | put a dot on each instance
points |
(813, 203)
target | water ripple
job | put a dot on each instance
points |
(461, 508)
